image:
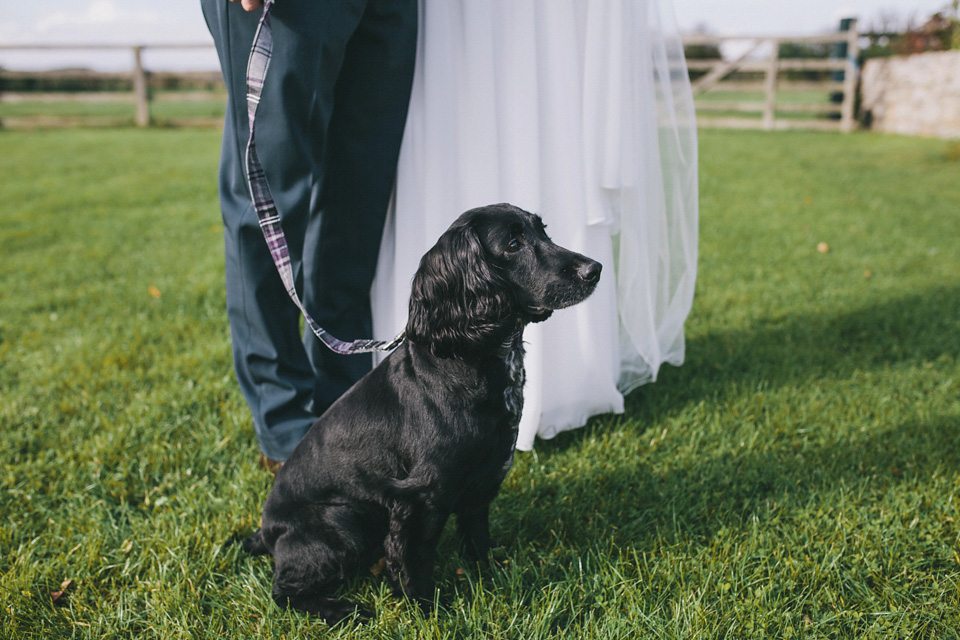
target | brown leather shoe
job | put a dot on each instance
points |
(270, 465)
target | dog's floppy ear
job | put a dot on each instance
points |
(458, 302)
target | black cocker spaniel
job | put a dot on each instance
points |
(430, 431)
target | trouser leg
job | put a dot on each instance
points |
(359, 168)
(294, 127)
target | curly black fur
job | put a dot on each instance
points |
(430, 431)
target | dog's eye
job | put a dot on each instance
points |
(514, 246)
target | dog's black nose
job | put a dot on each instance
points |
(589, 272)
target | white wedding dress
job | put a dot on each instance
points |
(581, 111)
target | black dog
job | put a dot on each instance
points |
(429, 432)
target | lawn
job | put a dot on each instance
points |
(799, 476)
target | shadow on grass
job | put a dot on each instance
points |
(708, 490)
(640, 509)
(795, 348)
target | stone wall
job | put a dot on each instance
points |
(913, 95)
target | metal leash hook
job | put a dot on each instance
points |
(263, 203)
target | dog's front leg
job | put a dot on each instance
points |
(473, 525)
(411, 546)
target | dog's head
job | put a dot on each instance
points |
(495, 265)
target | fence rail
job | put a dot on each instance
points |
(715, 77)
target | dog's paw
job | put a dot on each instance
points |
(498, 555)
(336, 611)
(495, 557)
(427, 606)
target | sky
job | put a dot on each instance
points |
(180, 21)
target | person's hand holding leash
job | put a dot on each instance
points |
(249, 5)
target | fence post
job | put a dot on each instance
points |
(140, 88)
(770, 86)
(850, 79)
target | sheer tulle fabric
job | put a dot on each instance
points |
(581, 112)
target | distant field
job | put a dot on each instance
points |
(111, 109)
(207, 107)
(707, 103)
(783, 97)
(118, 109)
(797, 477)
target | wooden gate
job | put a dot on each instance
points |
(711, 90)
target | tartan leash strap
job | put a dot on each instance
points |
(263, 203)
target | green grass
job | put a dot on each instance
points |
(799, 476)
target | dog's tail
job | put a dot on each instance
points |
(254, 544)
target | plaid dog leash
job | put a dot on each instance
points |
(263, 204)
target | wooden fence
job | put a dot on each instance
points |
(138, 74)
(837, 115)
(714, 78)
